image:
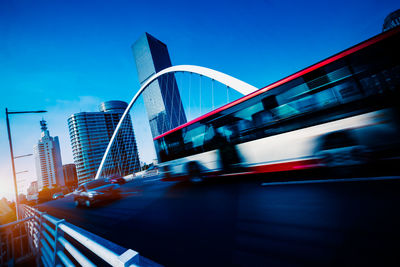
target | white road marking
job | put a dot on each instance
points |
(334, 180)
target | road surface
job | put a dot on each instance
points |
(250, 222)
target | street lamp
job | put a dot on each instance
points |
(17, 157)
(12, 152)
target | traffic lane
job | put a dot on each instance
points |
(318, 224)
(120, 221)
(105, 214)
(245, 223)
(315, 224)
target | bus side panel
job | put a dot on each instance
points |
(298, 149)
(302, 145)
(208, 160)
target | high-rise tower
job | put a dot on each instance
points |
(392, 20)
(48, 160)
(90, 133)
(162, 100)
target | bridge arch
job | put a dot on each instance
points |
(236, 84)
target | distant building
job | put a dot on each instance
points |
(4, 208)
(392, 20)
(70, 176)
(90, 133)
(164, 108)
(48, 160)
(22, 198)
(33, 191)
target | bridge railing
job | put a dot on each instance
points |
(59, 243)
(15, 247)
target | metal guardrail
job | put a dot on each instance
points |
(59, 243)
(15, 247)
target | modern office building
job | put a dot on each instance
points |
(48, 160)
(392, 20)
(90, 133)
(162, 99)
(70, 176)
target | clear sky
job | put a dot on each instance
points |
(68, 56)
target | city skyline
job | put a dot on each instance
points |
(44, 68)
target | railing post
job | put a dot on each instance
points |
(12, 246)
(52, 248)
(57, 245)
(129, 258)
(39, 237)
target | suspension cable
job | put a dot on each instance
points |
(172, 102)
(190, 88)
(180, 103)
(212, 93)
(166, 96)
(200, 94)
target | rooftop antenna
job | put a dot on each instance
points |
(43, 125)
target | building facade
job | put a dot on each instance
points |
(392, 20)
(48, 160)
(90, 133)
(70, 176)
(32, 192)
(162, 99)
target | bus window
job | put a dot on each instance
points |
(209, 134)
(376, 83)
(269, 102)
(193, 138)
(326, 98)
(228, 132)
(161, 149)
(316, 78)
(174, 143)
(347, 91)
(302, 105)
(248, 112)
(392, 77)
(294, 92)
(262, 118)
(248, 119)
(339, 74)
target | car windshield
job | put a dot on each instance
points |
(151, 168)
(96, 183)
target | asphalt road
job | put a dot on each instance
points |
(250, 222)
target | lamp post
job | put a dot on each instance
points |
(17, 157)
(12, 152)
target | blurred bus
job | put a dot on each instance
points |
(341, 111)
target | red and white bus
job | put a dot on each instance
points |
(343, 110)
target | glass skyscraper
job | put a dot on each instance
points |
(162, 99)
(90, 133)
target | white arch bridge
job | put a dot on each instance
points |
(228, 81)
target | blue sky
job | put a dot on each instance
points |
(68, 56)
